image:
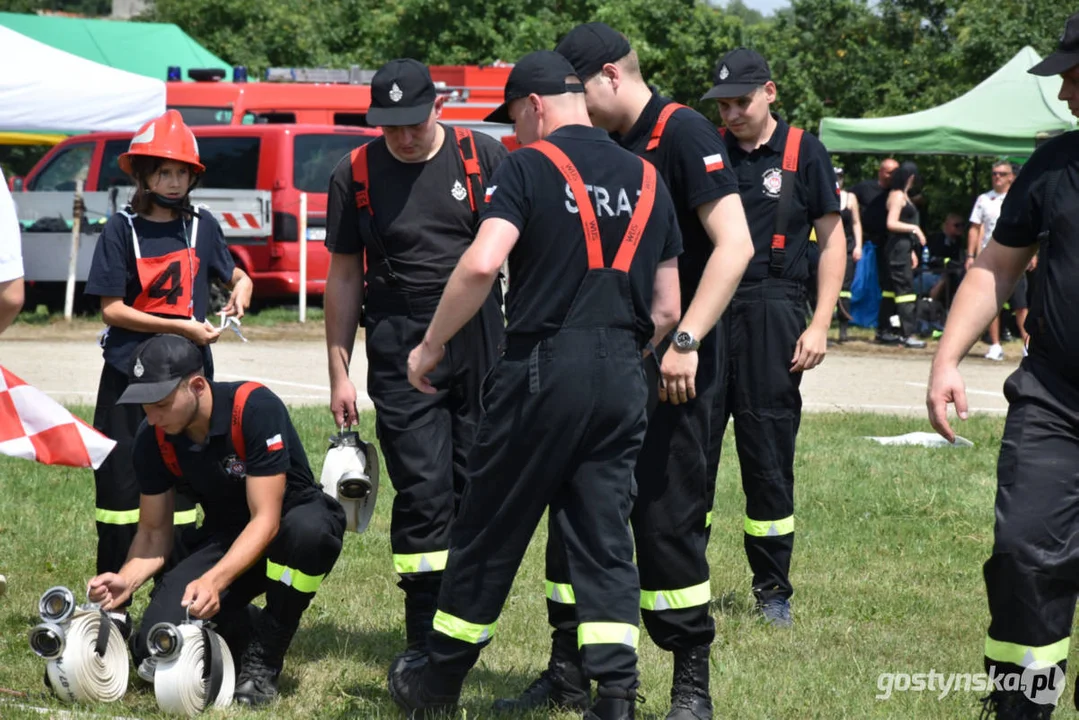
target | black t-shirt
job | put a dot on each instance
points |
(759, 181)
(549, 261)
(907, 214)
(692, 160)
(867, 191)
(213, 474)
(113, 272)
(421, 212)
(1023, 215)
(945, 252)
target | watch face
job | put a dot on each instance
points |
(683, 339)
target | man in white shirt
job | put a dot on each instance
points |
(982, 220)
(11, 283)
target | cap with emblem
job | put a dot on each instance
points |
(157, 367)
(592, 45)
(1067, 55)
(402, 93)
(739, 73)
(542, 72)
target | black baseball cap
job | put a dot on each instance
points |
(592, 45)
(738, 73)
(402, 93)
(157, 367)
(542, 72)
(1067, 55)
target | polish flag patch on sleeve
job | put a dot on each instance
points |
(713, 162)
(275, 443)
(490, 191)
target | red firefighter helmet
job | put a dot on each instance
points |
(165, 137)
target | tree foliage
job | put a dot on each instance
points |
(830, 58)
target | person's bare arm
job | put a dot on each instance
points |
(856, 224)
(116, 314)
(149, 549)
(988, 283)
(12, 296)
(342, 302)
(666, 300)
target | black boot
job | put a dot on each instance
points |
(613, 704)
(842, 332)
(1013, 705)
(420, 608)
(689, 692)
(562, 685)
(416, 692)
(262, 661)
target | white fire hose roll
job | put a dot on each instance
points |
(179, 681)
(80, 674)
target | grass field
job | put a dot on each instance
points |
(887, 573)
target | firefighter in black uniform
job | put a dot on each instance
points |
(268, 527)
(788, 187)
(674, 496)
(1031, 575)
(411, 224)
(151, 269)
(565, 407)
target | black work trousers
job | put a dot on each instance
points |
(115, 485)
(670, 518)
(1032, 576)
(563, 424)
(897, 297)
(424, 438)
(763, 324)
(298, 559)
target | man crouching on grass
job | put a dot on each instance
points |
(268, 526)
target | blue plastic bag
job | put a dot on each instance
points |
(865, 289)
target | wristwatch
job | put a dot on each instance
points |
(683, 341)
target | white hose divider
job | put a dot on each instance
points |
(178, 681)
(79, 674)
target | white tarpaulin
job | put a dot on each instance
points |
(42, 88)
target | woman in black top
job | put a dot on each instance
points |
(903, 232)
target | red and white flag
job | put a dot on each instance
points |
(713, 162)
(36, 427)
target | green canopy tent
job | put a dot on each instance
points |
(141, 48)
(1002, 116)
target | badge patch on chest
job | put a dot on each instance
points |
(772, 181)
(459, 193)
(234, 467)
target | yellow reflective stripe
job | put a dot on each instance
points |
(905, 299)
(770, 528)
(844, 293)
(117, 517)
(460, 629)
(1007, 306)
(294, 578)
(184, 517)
(421, 562)
(694, 596)
(1024, 655)
(608, 633)
(887, 294)
(560, 593)
(708, 519)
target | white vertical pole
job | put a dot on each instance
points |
(303, 257)
(73, 259)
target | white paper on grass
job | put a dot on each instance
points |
(922, 439)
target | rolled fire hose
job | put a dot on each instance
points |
(194, 668)
(87, 655)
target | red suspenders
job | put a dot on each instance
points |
(168, 450)
(661, 124)
(631, 241)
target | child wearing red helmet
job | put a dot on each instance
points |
(151, 270)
